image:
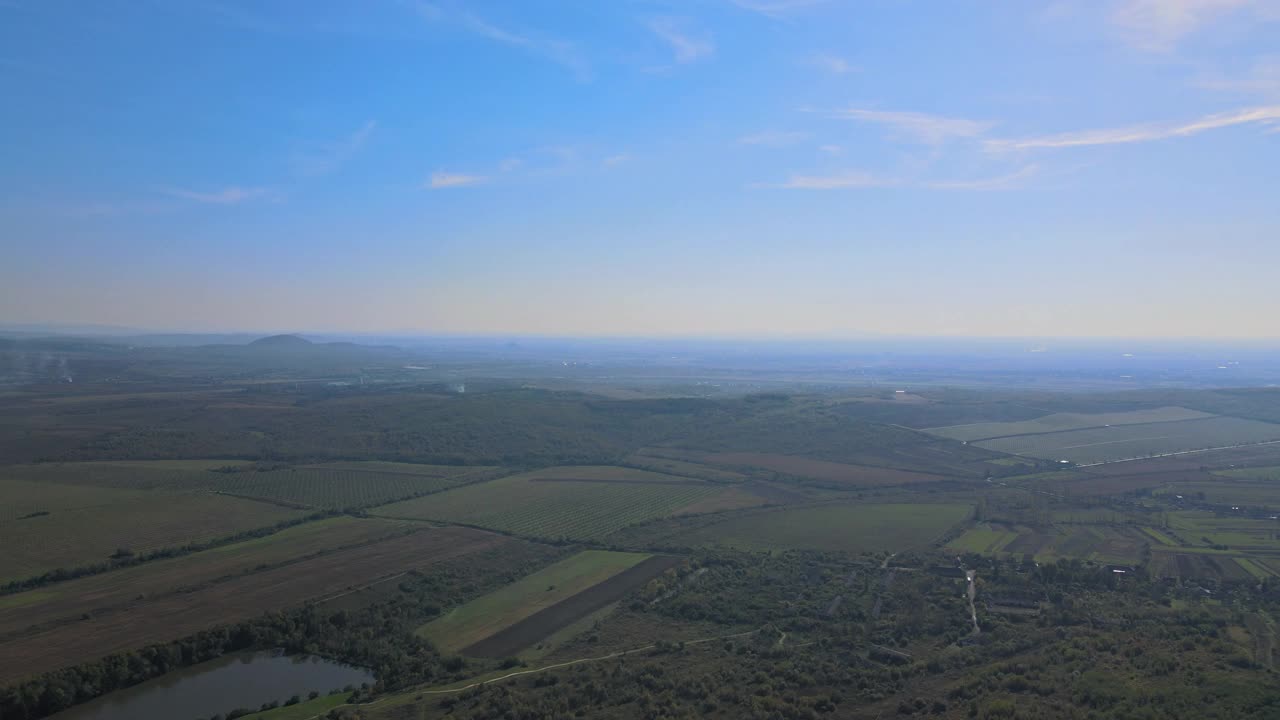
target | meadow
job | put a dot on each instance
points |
(1059, 422)
(554, 504)
(838, 527)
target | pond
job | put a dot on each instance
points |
(244, 680)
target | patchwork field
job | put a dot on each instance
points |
(829, 472)
(1059, 422)
(1237, 533)
(237, 598)
(575, 503)
(673, 466)
(87, 535)
(1201, 566)
(485, 616)
(121, 588)
(849, 528)
(553, 618)
(1119, 442)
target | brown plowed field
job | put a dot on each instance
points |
(842, 473)
(237, 599)
(547, 621)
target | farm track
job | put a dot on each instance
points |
(547, 621)
(235, 600)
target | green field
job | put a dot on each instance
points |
(21, 498)
(498, 610)
(1229, 492)
(125, 475)
(1238, 533)
(83, 536)
(1265, 474)
(849, 528)
(1059, 422)
(533, 505)
(1121, 442)
(984, 538)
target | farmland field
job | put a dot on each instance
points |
(484, 616)
(1096, 543)
(322, 487)
(849, 528)
(120, 588)
(1059, 422)
(830, 472)
(1227, 492)
(534, 505)
(238, 598)
(984, 538)
(683, 467)
(83, 536)
(1119, 442)
(21, 498)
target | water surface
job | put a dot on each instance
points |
(243, 680)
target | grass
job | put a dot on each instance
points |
(1121, 442)
(530, 505)
(20, 498)
(1271, 473)
(983, 539)
(1254, 569)
(1158, 536)
(303, 710)
(87, 535)
(849, 528)
(484, 616)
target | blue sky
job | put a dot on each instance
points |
(794, 168)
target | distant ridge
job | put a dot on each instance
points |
(281, 341)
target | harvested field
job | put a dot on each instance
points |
(521, 635)
(149, 621)
(574, 510)
(83, 536)
(1121, 442)
(1059, 422)
(733, 498)
(1109, 485)
(485, 616)
(121, 588)
(830, 472)
(849, 528)
(1197, 566)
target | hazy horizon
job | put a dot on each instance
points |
(742, 169)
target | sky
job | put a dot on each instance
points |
(713, 168)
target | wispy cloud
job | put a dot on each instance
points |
(833, 64)
(925, 128)
(1159, 25)
(615, 160)
(440, 180)
(1010, 181)
(776, 8)
(831, 149)
(328, 157)
(847, 179)
(553, 49)
(1141, 133)
(1262, 79)
(684, 47)
(227, 196)
(774, 138)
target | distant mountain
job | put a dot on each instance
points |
(281, 341)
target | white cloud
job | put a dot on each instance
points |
(833, 64)
(684, 47)
(329, 157)
(1159, 25)
(555, 50)
(928, 129)
(440, 180)
(840, 181)
(776, 8)
(1141, 133)
(227, 196)
(773, 138)
(1010, 181)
